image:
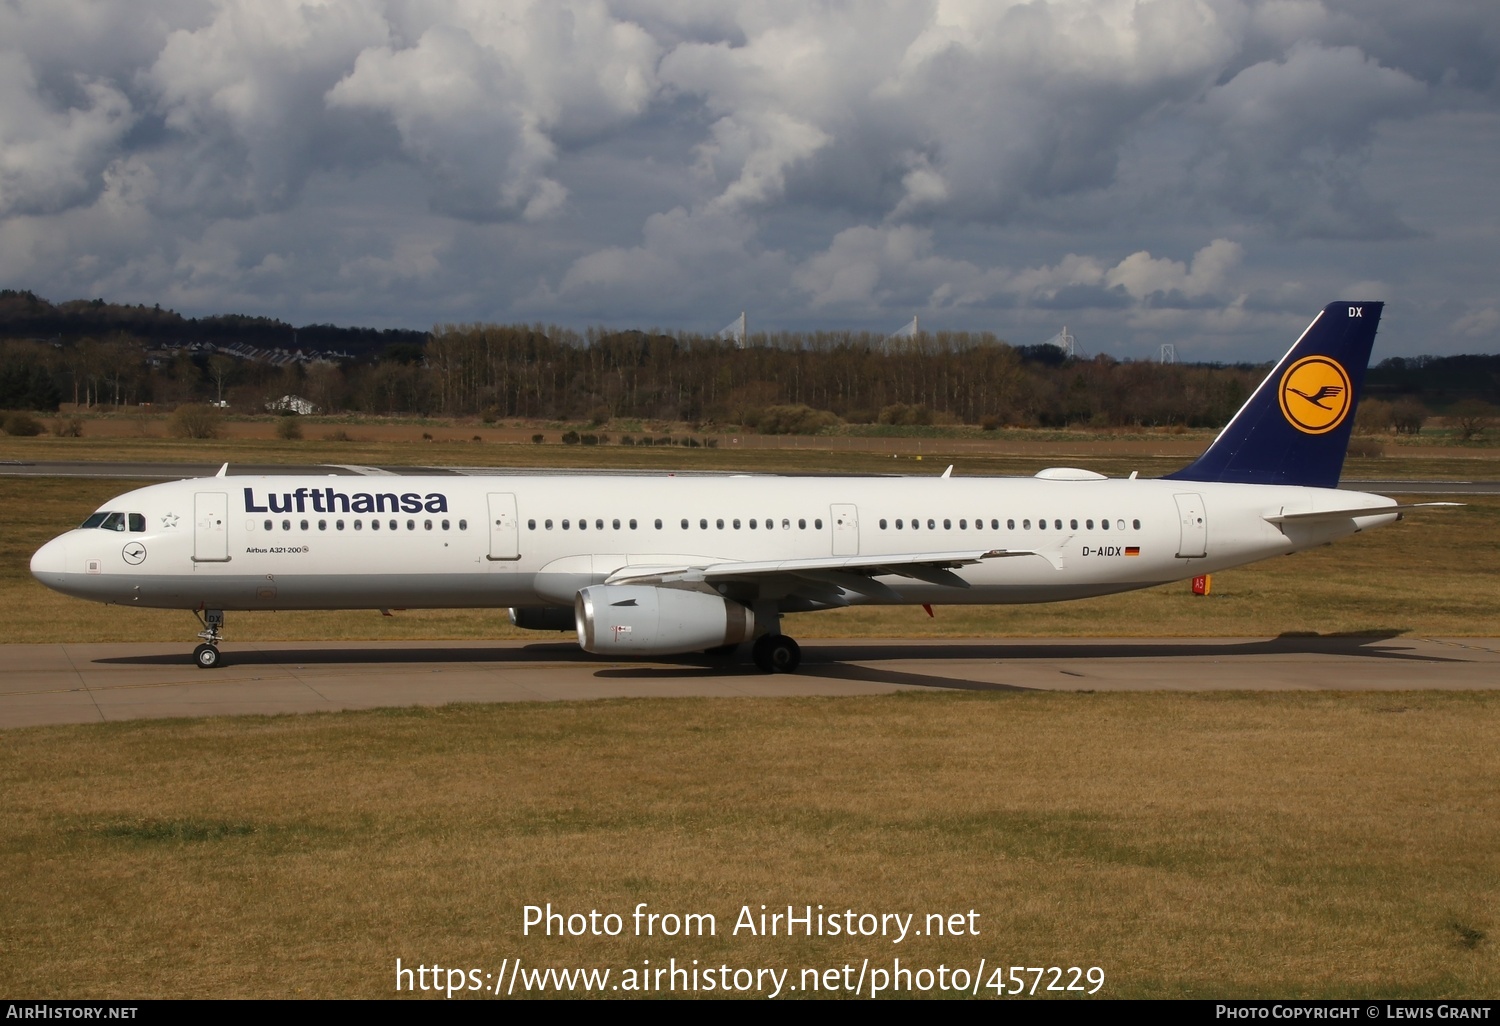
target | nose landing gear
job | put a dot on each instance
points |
(206, 655)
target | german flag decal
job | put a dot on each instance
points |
(1132, 550)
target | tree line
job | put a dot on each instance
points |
(776, 383)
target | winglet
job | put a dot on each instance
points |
(223, 471)
(1295, 429)
(949, 471)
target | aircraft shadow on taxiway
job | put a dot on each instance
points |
(841, 661)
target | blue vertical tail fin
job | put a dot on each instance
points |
(1295, 427)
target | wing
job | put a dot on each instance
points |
(853, 573)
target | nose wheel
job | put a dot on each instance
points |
(776, 653)
(206, 655)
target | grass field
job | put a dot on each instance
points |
(1260, 844)
(1189, 845)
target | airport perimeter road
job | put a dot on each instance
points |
(42, 684)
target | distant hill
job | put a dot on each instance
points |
(1437, 381)
(26, 315)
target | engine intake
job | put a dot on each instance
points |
(644, 620)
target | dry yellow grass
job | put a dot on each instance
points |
(1205, 845)
(1191, 845)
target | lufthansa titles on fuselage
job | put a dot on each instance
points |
(329, 500)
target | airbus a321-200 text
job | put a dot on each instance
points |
(650, 565)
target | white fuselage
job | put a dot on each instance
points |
(239, 543)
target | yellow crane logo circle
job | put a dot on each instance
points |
(1315, 394)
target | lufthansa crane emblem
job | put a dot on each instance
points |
(134, 553)
(1315, 394)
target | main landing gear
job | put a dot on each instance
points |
(773, 651)
(776, 653)
(206, 655)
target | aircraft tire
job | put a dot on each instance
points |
(206, 656)
(777, 654)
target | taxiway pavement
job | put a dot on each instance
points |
(87, 683)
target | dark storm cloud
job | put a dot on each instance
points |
(1206, 172)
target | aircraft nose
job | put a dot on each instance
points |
(51, 559)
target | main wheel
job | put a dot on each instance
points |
(777, 653)
(206, 656)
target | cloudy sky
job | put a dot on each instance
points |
(1202, 172)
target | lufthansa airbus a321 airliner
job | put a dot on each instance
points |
(645, 566)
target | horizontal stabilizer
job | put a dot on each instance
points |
(1329, 515)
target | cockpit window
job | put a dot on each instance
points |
(113, 522)
(94, 520)
(137, 523)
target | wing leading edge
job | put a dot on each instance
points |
(932, 567)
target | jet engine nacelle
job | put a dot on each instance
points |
(642, 620)
(542, 618)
